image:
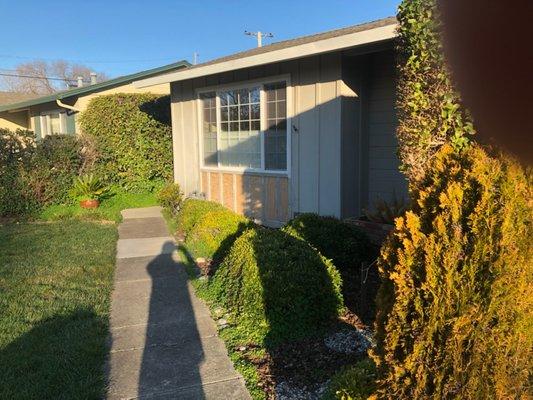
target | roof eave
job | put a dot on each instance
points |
(110, 84)
(354, 39)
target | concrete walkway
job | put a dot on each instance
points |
(164, 342)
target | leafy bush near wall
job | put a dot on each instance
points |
(191, 212)
(214, 233)
(133, 138)
(429, 109)
(171, 198)
(35, 174)
(455, 307)
(351, 252)
(276, 287)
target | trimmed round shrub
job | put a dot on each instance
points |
(455, 305)
(346, 245)
(214, 233)
(133, 138)
(351, 252)
(357, 382)
(171, 197)
(276, 287)
(191, 211)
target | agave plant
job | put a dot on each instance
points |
(385, 212)
(88, 187)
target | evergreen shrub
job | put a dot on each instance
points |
(191, 211)
(171, 198)
(455, 307)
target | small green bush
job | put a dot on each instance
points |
(171, 198)
(133, 138)
(357, 382)
(276, 287)
(455, 305)
(88, 187)
(351, 252)
(191, 211)
(214, 233)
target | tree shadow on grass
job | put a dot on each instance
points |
(61, 357)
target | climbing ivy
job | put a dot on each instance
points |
(430, 112)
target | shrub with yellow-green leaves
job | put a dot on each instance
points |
(455, 308)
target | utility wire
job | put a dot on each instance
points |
(38, 77)
(88, 61)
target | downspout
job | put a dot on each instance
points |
(61, 104)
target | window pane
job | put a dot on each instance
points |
(255, 95)
(276, 133)
(209, 129)
(55, 126)
(240, 144)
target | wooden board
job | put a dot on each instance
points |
(214, 192)
(227, 191)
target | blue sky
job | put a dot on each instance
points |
(121, 37)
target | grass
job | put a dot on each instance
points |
(109, 208)
(55, 284)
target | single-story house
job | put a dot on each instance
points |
(56, 113)
(304, 125)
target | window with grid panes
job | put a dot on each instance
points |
(232, 137)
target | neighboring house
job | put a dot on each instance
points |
(56, 113)
(304, 125)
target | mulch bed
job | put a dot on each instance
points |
(304, 363)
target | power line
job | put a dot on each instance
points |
(87, 61)
(38, 77)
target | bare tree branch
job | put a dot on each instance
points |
(40, 72)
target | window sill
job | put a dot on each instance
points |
(245, 171)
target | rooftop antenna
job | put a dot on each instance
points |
(195, 58)
(260, 35)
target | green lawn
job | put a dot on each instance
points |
(55, 284)
(109, 208)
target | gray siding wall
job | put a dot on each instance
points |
(315, 181)
(384, 178)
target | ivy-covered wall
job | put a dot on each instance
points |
(429, 109)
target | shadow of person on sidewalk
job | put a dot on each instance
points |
(173, 350)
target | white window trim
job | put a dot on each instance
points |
(46, 124)
(244, 85)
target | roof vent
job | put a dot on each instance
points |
(93, 78)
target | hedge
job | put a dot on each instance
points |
(351, 252)
(429, 109)
(133, 138)
(35, 174)
(276, 287)
(455, 307)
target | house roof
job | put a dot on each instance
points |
(109, 84)
(12, 97)
(383, 29)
